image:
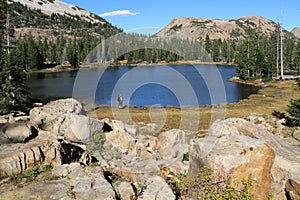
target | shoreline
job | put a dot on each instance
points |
(271, 96)
(60, 68)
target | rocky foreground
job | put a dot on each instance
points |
(108, 159)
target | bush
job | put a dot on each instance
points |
(207, 187)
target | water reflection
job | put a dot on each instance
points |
(154, 85)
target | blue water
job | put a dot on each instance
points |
(140, 86)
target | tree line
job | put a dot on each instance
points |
(13, 93)
(256, 56)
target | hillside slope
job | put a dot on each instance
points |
(296, 32)
(49, 7)
(50, 15)
(198, 28)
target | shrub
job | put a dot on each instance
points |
(207, 186)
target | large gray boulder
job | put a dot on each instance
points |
(66, 118)
(17, 132)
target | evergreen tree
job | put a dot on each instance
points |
(72, 54)
(3, 13)
(207, 44)
(246, 58)
(294, 112)
(297, 56)
(13, 94)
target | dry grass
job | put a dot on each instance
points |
(275, 96)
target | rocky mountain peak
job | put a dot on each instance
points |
(198, 28)
(59, 7)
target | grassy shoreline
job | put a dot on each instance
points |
(272, 96)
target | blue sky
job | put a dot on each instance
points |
(137, 14)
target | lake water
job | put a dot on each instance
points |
(140, 86)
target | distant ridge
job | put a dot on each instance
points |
(41, 18)
(198, 28)
(49, 7)
(296, 32)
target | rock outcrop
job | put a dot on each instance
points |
(238, 148)
(17, 158)
(199, 28)
(17, 132)
(65, 118)
(108, 159)
(79, 183)
(127, 158)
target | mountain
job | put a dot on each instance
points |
(296, 32)
(49, 33)
(198, 28)
(46, 16)
(49, 7)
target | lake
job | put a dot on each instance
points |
(178, 85)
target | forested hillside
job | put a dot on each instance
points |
(44, 40)
(45, 36)
(252, 43)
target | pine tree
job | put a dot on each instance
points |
(13, 94)
(297, 56)
(294, 112)
(72, 54)
(207, 44)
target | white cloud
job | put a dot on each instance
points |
(118, 13)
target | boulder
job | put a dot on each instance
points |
(237, 157)
(148, 129)
(90, 183)
(17, 132)
(296, 134)
(235, 133)
(292, 189)
(79, 127)
(157, 188)
(17, 158)
(125, 190)
(66, 118)
(172, 144)
(171, 147)
(120, 138)
(51, 115)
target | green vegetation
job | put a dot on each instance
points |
(135, 48)
(201, 24)
(255, 55)
(99, 137)
(176, 27)
(29, 176)
(13, 93)
(186, 157)
(294, 112)
(207, 187)
(66, 37)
